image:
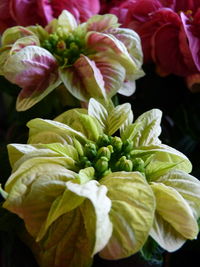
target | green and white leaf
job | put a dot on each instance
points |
(165, 235)
(186, 185)
(97, 110)
(32, 189)
(37, 126)
(78, 120)
(118, 117)
(86, 175)
(67, 232)
(64, 150)
(12, 34)
(148, 128)
(23, 167)
(132, 213)
(174, 209)
(145, 130)
(162, 159)
(66, 22)
(16, 151)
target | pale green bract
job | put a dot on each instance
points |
(82, 190)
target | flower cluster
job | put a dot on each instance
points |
(92, 59)
(169, 31)
(25, 13)
(82, 189)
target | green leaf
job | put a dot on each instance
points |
(52, 129)
(11, 35)
(186, 185)
(64, 150)
(87, 224)
(132, 213)
(66, 242)
(148, 128)
(66, 22)
(32, 189)
(174, 209)
(118, 117)
(133, 44)
(112, 48)
(41, 155)
(78, 147)
(101, 23)
(127, 122)
(60, 206)
(162, 159)
(129, 131)
(86, 174)
(39, 31)
(4, 54)
(165, 235)
(96, 214)
(47, 162)
(16, 151)
(97, 110)
(81, 122)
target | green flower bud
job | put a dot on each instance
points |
(110, 148)
(47, 45)
(61, 46)
(101, 165)
(104, 152)
(138, 165)
(124, 164)
(90, 150)
(117, 143)
(127, 146)
(53, 39)
(82, 161)
(88, 164)
(74, 47)
(103, 140)
(69, 38)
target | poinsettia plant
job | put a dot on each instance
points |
(93, 59)
(81, 188)
(93, 181)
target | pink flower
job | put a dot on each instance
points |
(170, 34)
(23, 12)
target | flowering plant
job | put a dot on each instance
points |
(90, 180)
(93, 59)
(81, 189)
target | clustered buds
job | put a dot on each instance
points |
(111, 154)
(66, 49)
